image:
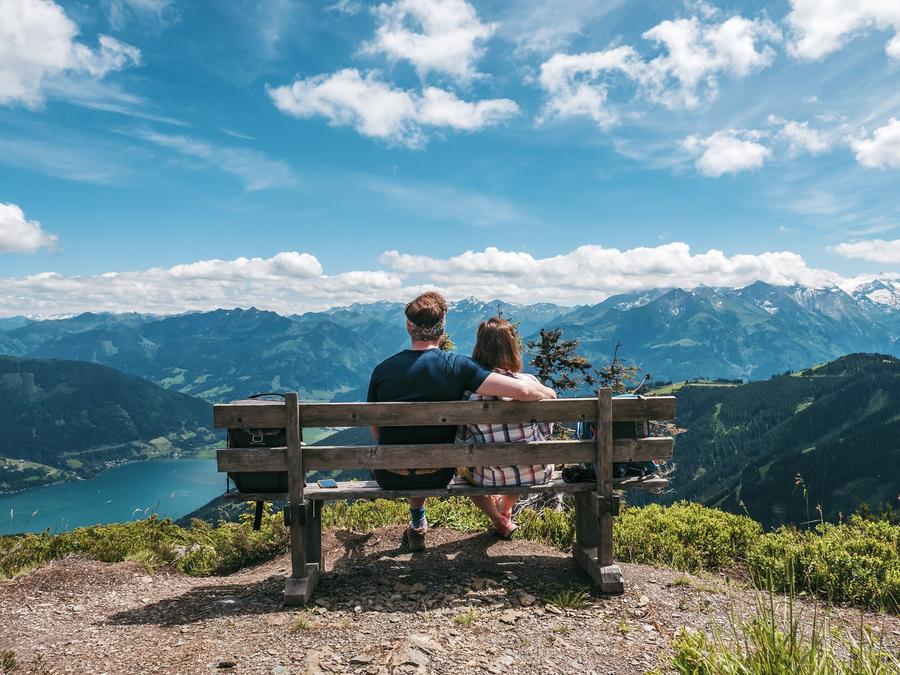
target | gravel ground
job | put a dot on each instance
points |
(471, 603)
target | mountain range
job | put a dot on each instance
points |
(750, 333)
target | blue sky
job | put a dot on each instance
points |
(350, 151)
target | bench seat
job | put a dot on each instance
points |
(369, 489)
(596, 502)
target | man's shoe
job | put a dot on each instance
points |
(415, 538)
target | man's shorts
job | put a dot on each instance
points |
(413, 479)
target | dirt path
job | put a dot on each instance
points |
(471, 603)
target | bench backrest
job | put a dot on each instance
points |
(294, 415)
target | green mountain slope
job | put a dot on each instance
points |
(68, 419)
(837, 426)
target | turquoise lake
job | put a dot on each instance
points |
(170, 488)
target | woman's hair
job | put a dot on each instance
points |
(497, 345)
(427, 310)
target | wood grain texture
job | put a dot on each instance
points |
(296, 485)
(604, 461)
(586, 533)
(268, 414)
(328, 457)
(608, 578)
(298, 590)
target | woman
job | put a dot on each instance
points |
(498, 349)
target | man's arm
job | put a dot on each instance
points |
(524, 389)
(375, 432)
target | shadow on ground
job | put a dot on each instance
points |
(369, 565)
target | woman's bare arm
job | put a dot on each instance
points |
(524, 389)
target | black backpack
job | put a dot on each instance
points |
(258, 481)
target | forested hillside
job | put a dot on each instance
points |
(67, 419)
(827, 436)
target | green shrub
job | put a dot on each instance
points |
(365, 516)
(685, 536)
(203, 549)
(856, 561)
(554, 528)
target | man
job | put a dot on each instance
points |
(426, 373)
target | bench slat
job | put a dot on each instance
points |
(325, 457)
(458, 488)
(271, 414)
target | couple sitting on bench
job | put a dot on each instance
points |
(426, 373)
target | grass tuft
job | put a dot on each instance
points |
(570, 598)
(467, 618)
(775, 640)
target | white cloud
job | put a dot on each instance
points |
(441, 36)
(378, 109)
(572, 86)
(290, 282)
(348, 7)
(820, 27)
(729, 151)
(37, 43)
(873, 250)
(695, 54)
(19, 235)
(121, 12)
(591, 273)
(800, 137)
(252, 167)
(882, 149)
(542, 26)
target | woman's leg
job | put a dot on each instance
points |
(489, 506)
(502, 525)
(505, 504)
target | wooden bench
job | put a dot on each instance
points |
(595, 502)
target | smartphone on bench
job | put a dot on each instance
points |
(327, 483)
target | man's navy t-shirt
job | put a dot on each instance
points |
(423, 375)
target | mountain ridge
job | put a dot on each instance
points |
(747, 333)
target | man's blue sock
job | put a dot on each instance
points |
(417, 515)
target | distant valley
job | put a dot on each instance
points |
(68, 419)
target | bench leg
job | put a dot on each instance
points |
(593, 544)
(304, 575)
(314, 534)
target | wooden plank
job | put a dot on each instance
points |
(437, 455)
(296, 485)
(252, 459)
(249, 415)
(267, 414)
(314, 533)
(604, 441)
(585, 520)
(643, 408)
(459, 488)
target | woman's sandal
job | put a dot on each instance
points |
(505, 528)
